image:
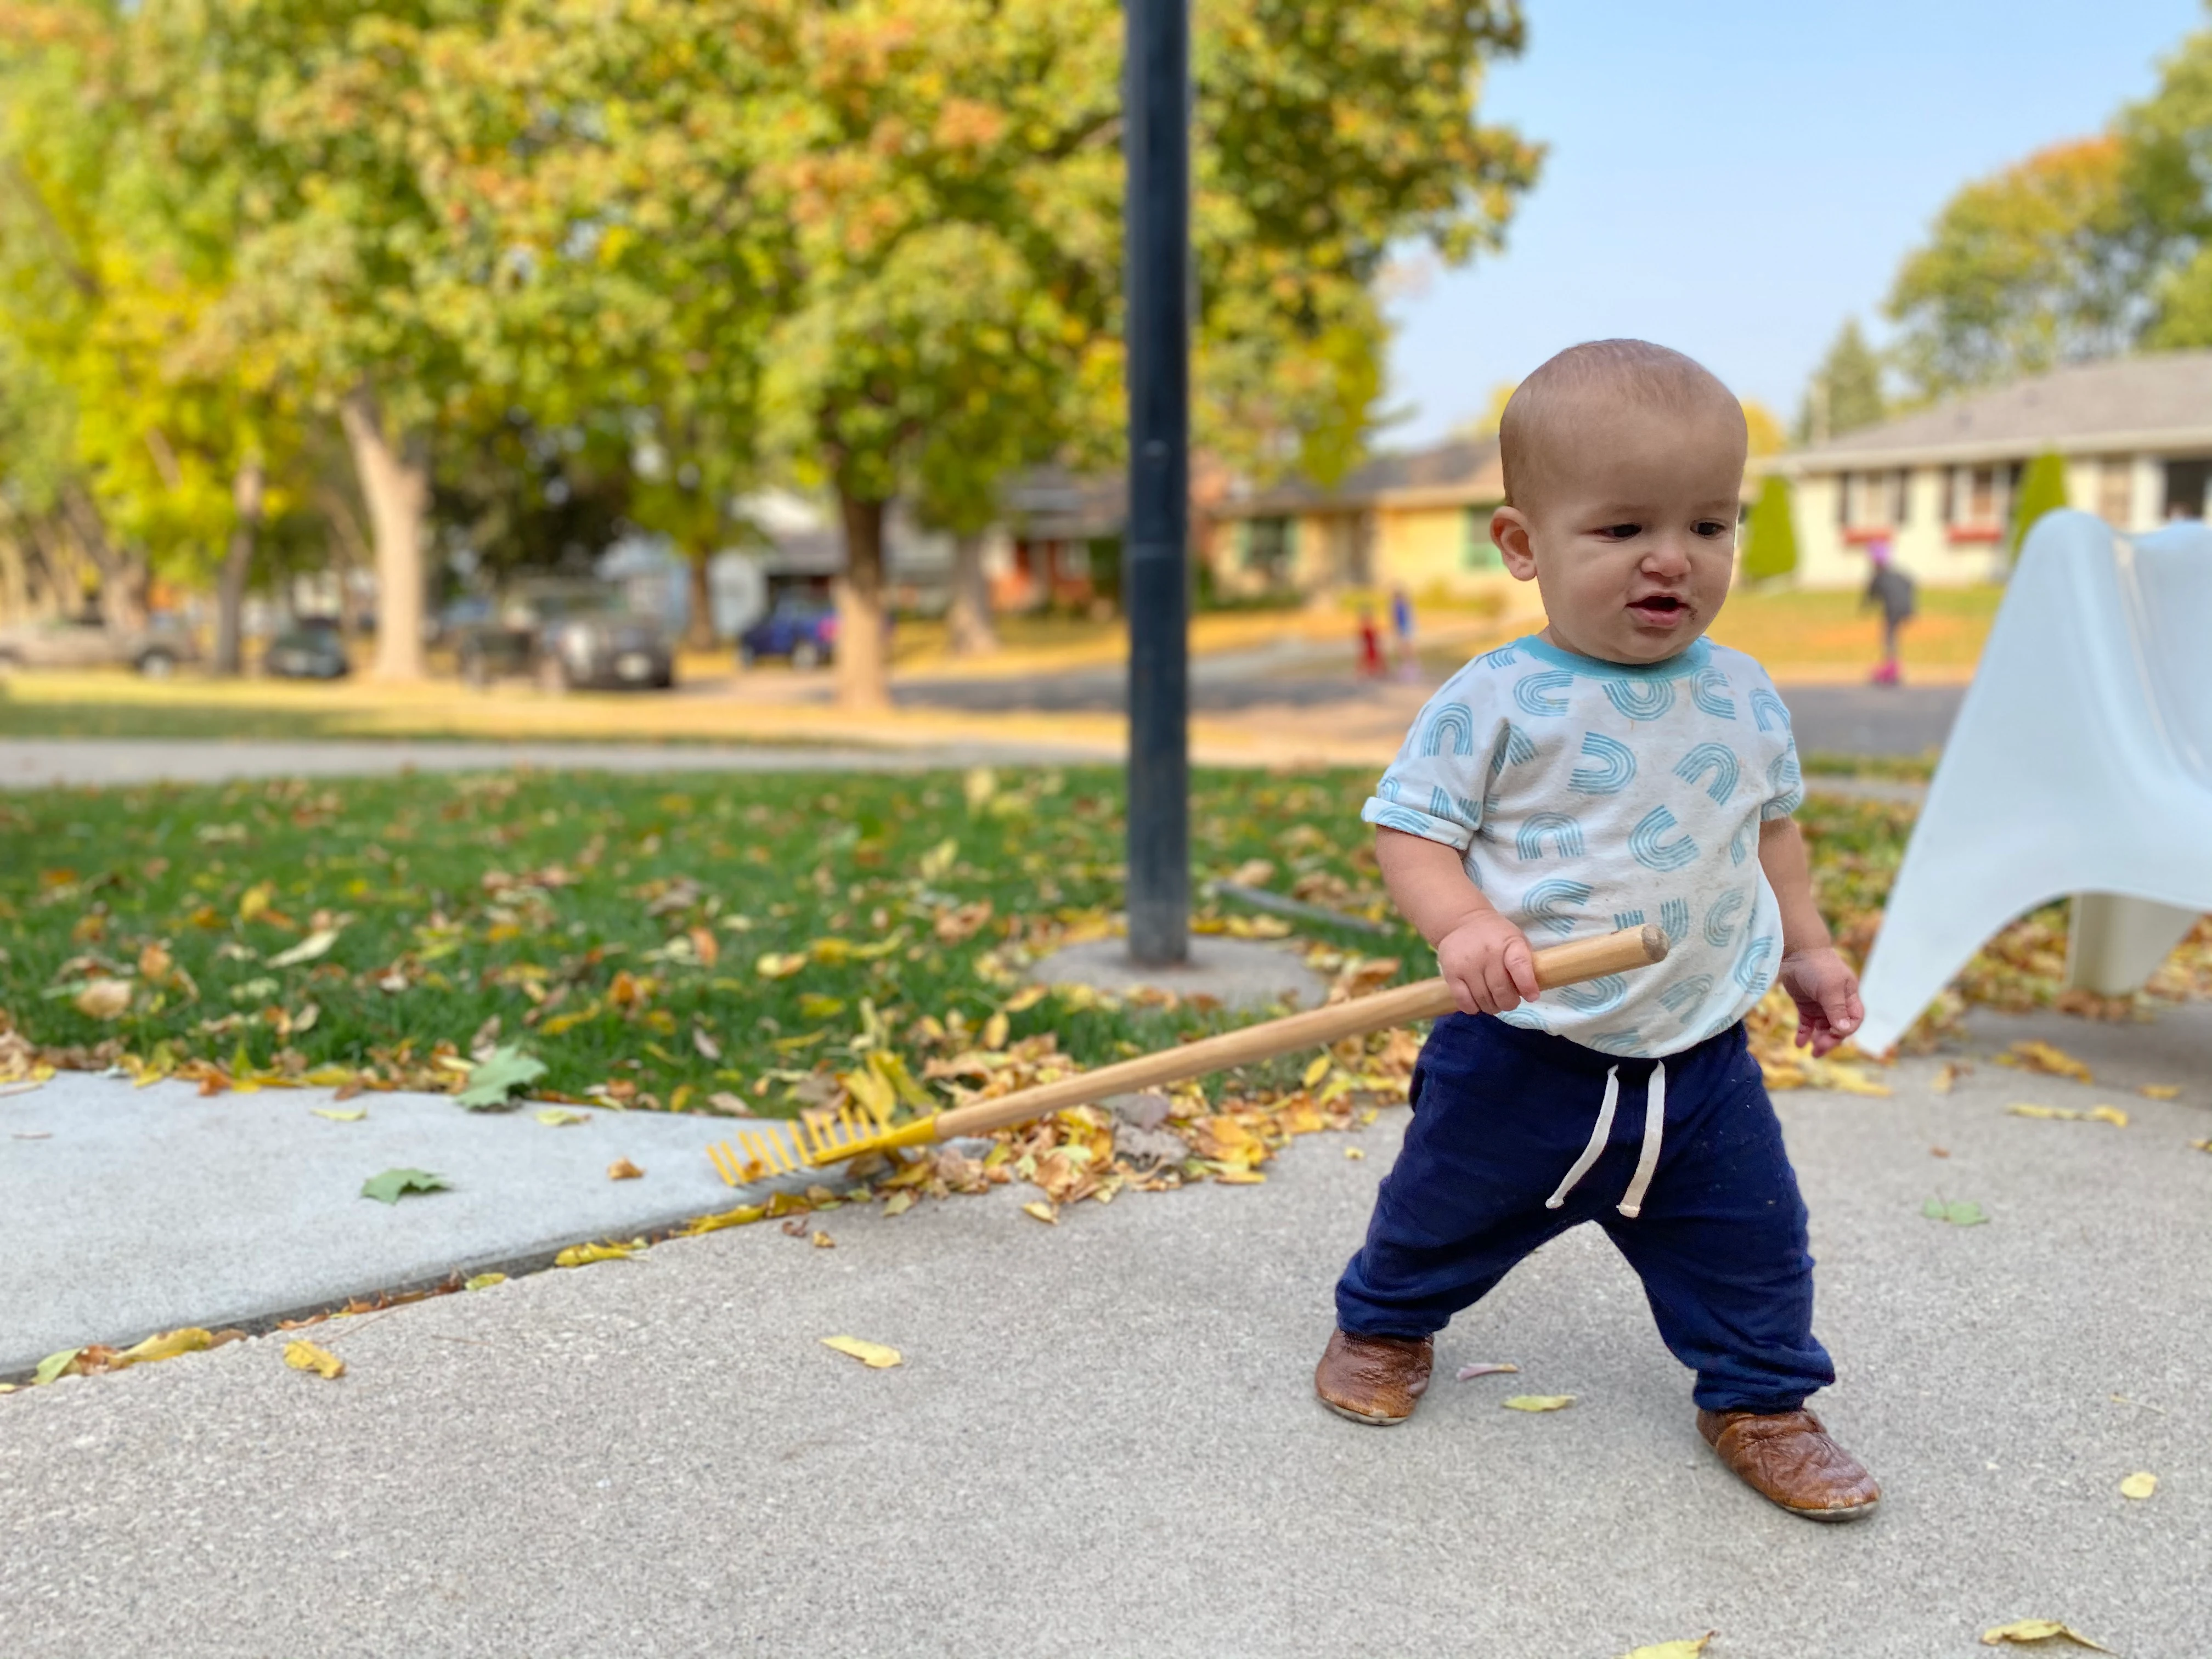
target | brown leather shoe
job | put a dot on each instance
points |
(1373, 1379)
(1789, 1458)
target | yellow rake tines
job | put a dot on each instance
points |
(812, 1140)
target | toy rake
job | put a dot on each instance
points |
(821, 1139)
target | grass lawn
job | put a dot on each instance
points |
(1799, 628)
(657, 942)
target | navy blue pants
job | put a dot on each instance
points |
(1500, 1116)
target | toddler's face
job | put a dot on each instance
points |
(1632, 536)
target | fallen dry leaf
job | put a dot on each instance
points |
(1044, 1211)
(2024, 1630)
(2112, 1114)
(622, 1169)
(1688, 1647)
(104, 999)
(1538, 1402)
(899, 1203)
(1026, 999)
(340, 1113)
(582, 1255)
(779, 964)
(317, 944)
(2160, 1091)
(166, 1345)
(484, 1281)
(2141, 1484)
(2037, 1055)
(2204, 1145)
(1468, 1373)
(1947, 1075)
(1355, 1152)
(1317, 1070)
(308, 1357)
(822, 1241)
(874, 1355)
(559, 1117)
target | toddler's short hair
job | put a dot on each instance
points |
(1539, 415)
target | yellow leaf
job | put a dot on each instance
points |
(1042, 1212)
(2038, 1629)
(317, 944)
(776, 964)
(2160, 1091)
(937, 861)
(813, 1005)
(308, 1357)
(2048, 1058)
(1241, 1178)
(1354, 1152)
(1687, 1648)
(2112, 1114)
(2141, 1484)
(1317, 1071)
(995, 1030)
(557, 1117)
(822, 1241)
(899, 1203)
(2023, 1109)
(104, 999)
(831, 952)
(340, 1113)
(484, 1281)
(622, 1169)
(168, 1346)
(2204, 1145)
(743, 1216)
(1026, 999)
(874, 1355)
(582, 1255)
(1538, 1402)
(255, 900)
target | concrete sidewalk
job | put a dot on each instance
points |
(1102, 1440)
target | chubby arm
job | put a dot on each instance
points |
(1485, 958)
(1818, 979)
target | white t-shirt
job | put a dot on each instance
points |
(1586, 796)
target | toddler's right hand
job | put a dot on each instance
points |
(1488, 964)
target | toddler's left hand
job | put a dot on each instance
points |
(1826, 993)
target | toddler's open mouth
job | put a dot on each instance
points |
(1660, 607)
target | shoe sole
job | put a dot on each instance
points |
(1829, 1518)
(1362, 1417)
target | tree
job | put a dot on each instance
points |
(1764, 433)
(2046, 262)
(2042, 490)
(1845, 393)
(2167, 170)
(1771, 536)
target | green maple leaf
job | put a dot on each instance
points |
(497, 1075)
(387, 1188)
(1964, 1213)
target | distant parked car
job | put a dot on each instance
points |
(565, 633)
(312, 649)
(799, 626)
(85, 642)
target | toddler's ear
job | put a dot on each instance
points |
(1510, 535)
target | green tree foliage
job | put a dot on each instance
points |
(2045, 262)
(1771, 536)
(1846, 392)
(2042, 490)
(2166, 147)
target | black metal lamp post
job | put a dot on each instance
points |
(1156, 567)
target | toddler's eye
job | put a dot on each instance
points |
(1622, 532)
(1709, 527)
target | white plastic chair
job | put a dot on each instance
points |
(2080, 763)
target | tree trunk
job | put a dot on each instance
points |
(349, 551)
(699, 631)
(395, 482)
(864, 680)
(237, 568)
(122, 576)
(969, 617)
(14, 579)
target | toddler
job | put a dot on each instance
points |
(1616, 769)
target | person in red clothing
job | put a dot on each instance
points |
(1371, 645)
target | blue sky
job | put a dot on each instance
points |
(1734, 177)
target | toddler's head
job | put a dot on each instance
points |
(1623, 465)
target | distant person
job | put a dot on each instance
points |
(1408, 662)
(1894, 591)
(1371, 645)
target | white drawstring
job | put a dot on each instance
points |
(1655, 1122)
(1591, 1152)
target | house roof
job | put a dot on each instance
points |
(1463, 471)
(2157, 402)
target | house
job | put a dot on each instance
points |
(1419, 521)
(2136, 434)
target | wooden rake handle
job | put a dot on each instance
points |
(1560, 964)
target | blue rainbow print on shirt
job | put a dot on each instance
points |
(1720, 920)
(1596, 995)
(1641, 700)
(1709, 691)
(1715, 757)
(1514, 748)
(1535, 693)
(1675, 919)
(1750, 967)
(1768, 709)
(1545, 903)
(1648, 842)
(1615, 767)
(1683, 999)
(1454, 722)
(1566, 836)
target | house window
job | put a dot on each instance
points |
(1982, 497)
(2115, 491)
(1477, 550)
(1269, 545)
(1873, 500)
